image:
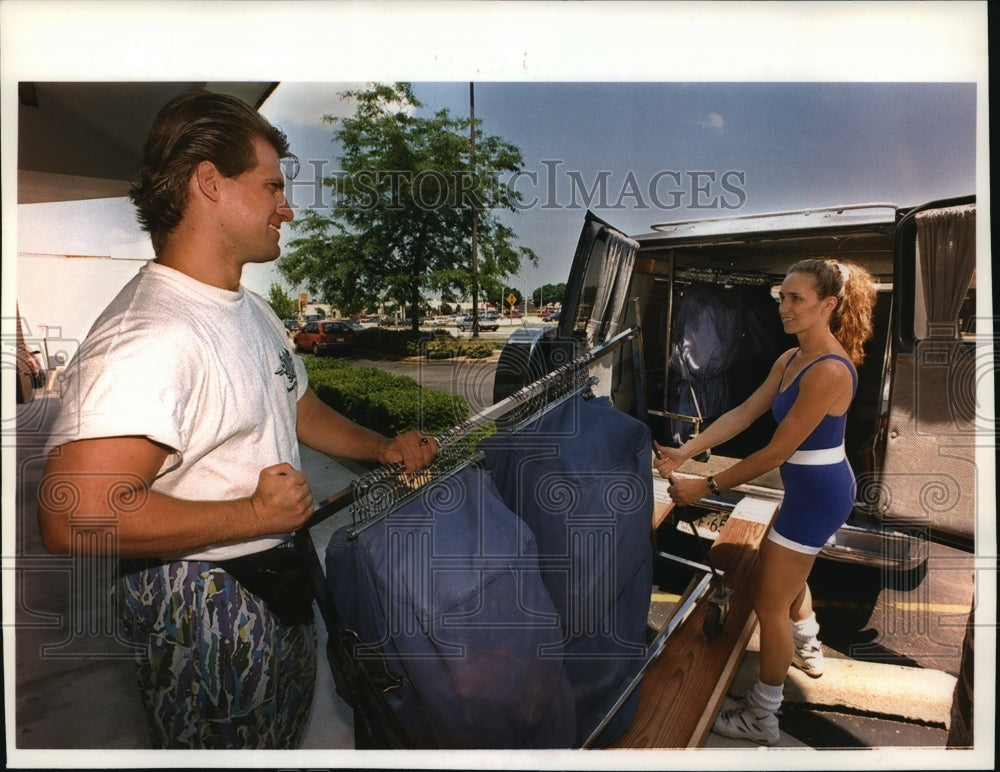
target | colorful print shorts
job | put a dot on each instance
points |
(216, 668)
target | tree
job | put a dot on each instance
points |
(548, 293)
(283, 304)
(401, 218)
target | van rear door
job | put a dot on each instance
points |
(926, 480)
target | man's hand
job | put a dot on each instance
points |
(414, 449)
(282, 501)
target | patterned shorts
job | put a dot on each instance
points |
(216, 668)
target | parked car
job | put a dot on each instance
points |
(552, 316)
(292, 325)
(327, 336)
(703, 295)
(30, 375)
(490, 324)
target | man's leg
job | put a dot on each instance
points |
(216, 668)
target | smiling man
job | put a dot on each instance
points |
(182, 416)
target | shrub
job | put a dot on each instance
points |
(379, 342)
(446, 347)
(478, 350)
(387, 403)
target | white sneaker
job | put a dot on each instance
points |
(746, 723)
(808, 658)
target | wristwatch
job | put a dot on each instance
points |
(713, 486)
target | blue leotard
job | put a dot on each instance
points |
(819, 483)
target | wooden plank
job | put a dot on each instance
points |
(684, 688)
(660, 511)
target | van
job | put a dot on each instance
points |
(701, 296)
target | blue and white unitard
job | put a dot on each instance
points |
(818, 480)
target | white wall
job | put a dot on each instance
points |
(60, 296)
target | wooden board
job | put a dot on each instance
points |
(660, 511)
(684, 688)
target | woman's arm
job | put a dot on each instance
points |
(820, 389)
(726, 426)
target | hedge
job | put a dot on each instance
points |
(448, 347)
(439, 344)
(377, 341)
(387, 403)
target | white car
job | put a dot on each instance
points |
(485, 323)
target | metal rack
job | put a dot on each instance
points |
(374, 495)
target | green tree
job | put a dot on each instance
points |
(284, 305)
(401, 219)
(548, 293)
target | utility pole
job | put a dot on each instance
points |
(475, 216)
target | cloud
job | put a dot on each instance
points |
(305, 104)
(714, 123)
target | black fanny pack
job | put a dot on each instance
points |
(278, 577)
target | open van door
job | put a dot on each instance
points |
(595, 308)
(927, 480)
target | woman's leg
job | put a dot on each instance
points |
(808, 652)
(781, 583)
(781, 577)
(802, 606)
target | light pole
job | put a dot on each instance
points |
(475, 244)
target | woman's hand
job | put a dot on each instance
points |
(667, 459)
(687, 490)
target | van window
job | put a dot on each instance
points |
(588, 291)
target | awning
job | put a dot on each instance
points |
(83, 140)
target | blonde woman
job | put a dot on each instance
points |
(827, 305)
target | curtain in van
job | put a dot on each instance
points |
(613, 283)
(946, 249)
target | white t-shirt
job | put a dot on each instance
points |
(205, 371)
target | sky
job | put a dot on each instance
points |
(708, 126)
(643, 153)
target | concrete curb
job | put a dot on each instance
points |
(907, 693)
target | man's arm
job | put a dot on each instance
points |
(112, 476)
(322, 428)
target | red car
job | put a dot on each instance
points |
(326, 336)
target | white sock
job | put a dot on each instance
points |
(766, 697)
(806, 629)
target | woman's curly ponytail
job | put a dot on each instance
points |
(854, 288)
